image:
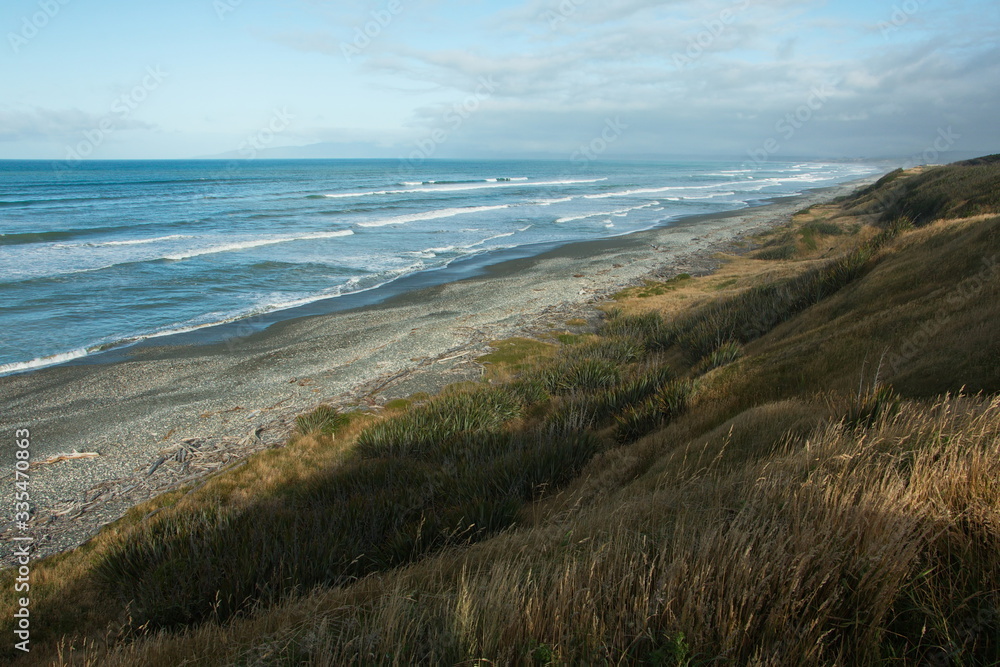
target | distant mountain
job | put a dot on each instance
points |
(323, 150)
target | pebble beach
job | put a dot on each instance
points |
(163, 416)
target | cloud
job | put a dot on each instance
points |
(34, 124)
(719, 75)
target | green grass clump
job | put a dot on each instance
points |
(755, 312)
(445, 473)
(516, 353)
(616, 349)
(482, 410)
(325, 420)
(589, 409)
(651, 288)
(530, 390)
(776, 253)
(644, 382)
(869, 405)
(400, 404)
(585, 373)
(824, 228)
(958, 190)
(569, 339)
(667, 404)
(723, 355)
(647, 329)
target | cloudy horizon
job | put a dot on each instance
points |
(536, 78)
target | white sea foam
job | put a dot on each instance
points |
(463, 187)
(712, 195)
(651, 191)
(257, 243)
(41, 362)
(550, 202)
(172, 237)
(431, 215)
(620, 213)
(487, 240)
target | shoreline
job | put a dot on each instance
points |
(460, 269)
(164, 413)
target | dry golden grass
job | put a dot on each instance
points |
(838, 547)
(823, 501)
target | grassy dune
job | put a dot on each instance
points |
(792, 461)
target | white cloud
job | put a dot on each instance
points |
(33, 124)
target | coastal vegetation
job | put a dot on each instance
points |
(792, 461)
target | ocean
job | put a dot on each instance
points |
(105, 253)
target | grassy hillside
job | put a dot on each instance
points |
(791, 461)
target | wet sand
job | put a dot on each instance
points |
(170, 413)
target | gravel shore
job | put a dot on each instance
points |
(168, 415)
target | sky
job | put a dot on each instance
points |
(417, 79)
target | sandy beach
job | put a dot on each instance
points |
(167, 414)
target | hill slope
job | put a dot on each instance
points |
(791, 461)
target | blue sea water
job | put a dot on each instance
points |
(102, 253)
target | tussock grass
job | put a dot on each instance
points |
(325, 420)
(694, 489)
(639, 419)
(648, 328)
(482, 410)
(755, 312)
(721, 356)
(845, 550)
(959, 190)
(781, 252)
(444, 473)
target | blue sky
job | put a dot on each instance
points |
(108, 79)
